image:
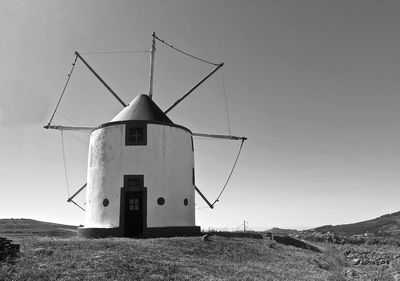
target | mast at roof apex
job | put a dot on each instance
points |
(152, 53)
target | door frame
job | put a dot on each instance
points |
(122, 220)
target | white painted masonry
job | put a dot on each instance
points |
(167, 162)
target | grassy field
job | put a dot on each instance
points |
(189, 259)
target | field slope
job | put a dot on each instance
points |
(29, 227)
(384, 226)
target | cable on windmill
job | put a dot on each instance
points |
(66, 174)
(63, 91)
(63, 116)
(65, 163)
(77, 139)
(218, 66)
(230, 174)
(214, 136)
(185, 53)
(113, 52)
(193, 88)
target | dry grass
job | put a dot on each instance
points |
(178, 259)
(159, 259)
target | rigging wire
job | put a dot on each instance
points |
(65, 164)
(77, 139)
(113, 52)
(77, 205)
(226, 102)
(185, 53)
(65, 170)
(67, 118)
(63, 91)
(72, 136)
(230, 174)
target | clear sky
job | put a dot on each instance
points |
(314, 85)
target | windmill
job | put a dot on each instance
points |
(141, 176)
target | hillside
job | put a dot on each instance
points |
(282, 231)
(383, 226)
(29, 227)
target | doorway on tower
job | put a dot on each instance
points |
(133, 213)
(133, 206)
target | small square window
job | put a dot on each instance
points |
(134, 204)
(136, 134)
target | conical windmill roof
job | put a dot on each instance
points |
(142, 108)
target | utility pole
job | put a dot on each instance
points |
(244, 225)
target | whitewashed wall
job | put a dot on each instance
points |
(166, 163)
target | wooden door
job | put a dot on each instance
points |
(134, 213)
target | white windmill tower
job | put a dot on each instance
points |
(140, 178)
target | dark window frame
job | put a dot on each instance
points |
(138, 178)
(129, 141)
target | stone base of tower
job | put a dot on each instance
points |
(152, 232)
(172, 231)
(99, 232)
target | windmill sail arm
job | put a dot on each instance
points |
(101, 80)
(76, 193)
(229, 137)
(204, 198)
(193, 88)
(68, 128)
